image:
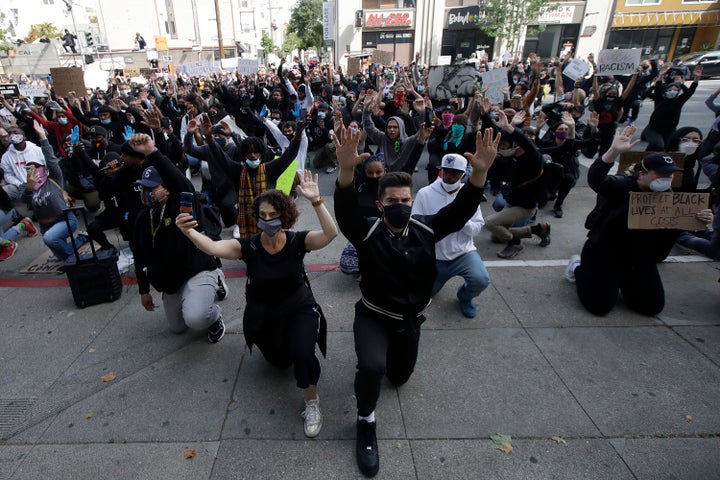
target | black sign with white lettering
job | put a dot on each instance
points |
(464, 18)
(9, 90)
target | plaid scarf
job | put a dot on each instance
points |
(249, 189)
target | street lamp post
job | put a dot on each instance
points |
(69, 5)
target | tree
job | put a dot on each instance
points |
(290, 43)
(266, 43)
(507, 18)
(306, 22)
(40, 29)
(5, 33)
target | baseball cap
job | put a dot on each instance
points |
(454, 161)
(97, 130)
(658, 162)
(150, 178)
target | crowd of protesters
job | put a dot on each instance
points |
(129, 152)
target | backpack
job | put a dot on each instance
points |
(207, 216)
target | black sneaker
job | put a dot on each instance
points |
(366, 448)
(216, 331)
(221, 291)
(544, 234)
(510, 250)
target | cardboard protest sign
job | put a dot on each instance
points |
(248, 66)
(33, 91)
(493, 83)
(9, 90)
(130, 72)
(576, 69)
(68, 79)
(627, 159)
(447, 81)
(382, 57)
(354, 66)
(618, 62)
(658, 210)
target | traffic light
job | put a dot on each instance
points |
(89, 39)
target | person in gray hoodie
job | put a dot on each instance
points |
(394, 142)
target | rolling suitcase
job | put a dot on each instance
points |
(94, 277)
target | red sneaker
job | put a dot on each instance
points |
(30, 229)
(8, 251)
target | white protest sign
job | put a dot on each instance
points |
(198, 69)
(33, 91)
(494, 82)
(444, 60)
(248, 66)
(576, 69)
(618, 62)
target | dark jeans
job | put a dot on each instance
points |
(567, 182)
(384, 346)
(656, 140)
(709, 248)
(290, 340)
(602, 275)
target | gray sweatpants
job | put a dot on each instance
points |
(193, 305)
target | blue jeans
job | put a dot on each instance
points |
(469, 266)
(12, 232)
(56, 235)
(709, 248)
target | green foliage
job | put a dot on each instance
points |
(5, 31)
(290, 43)
(266, 43)
(40, 29)
(507, 18)
(306, 23)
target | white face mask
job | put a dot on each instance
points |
(670, 94)
(688, 148)
(449, 187)
(661, 184)
(276, 121)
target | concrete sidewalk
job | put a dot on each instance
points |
(583, 397)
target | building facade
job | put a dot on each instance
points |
(665, 28)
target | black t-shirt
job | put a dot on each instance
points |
(275, 278)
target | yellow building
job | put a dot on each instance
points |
(665, 28)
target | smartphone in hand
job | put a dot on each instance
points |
(186, 202)
(428, 117)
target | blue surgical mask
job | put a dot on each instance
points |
(106, 121)
(270, 227)
(420, 88)
(252, 163)
(62, 121)
(321, 115)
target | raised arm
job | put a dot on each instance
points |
(317, 239)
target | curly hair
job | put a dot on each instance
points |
(283, 204)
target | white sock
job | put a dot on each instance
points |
(316, 399)
(370, 418)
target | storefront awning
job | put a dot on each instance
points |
(705, 18)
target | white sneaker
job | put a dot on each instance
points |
(313, 418)
(236, 231)
(570, 269)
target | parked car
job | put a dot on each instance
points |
(709, 60)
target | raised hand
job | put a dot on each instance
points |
(142, 143)
(308, 186)
(623, 139)
(192, 127)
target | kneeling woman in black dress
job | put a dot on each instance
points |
(281, 317)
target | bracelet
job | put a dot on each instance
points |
(318, 202)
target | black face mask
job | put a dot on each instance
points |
(397, 214)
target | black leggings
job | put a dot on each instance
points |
(602, 275)
(290, 340)
(383, 346)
